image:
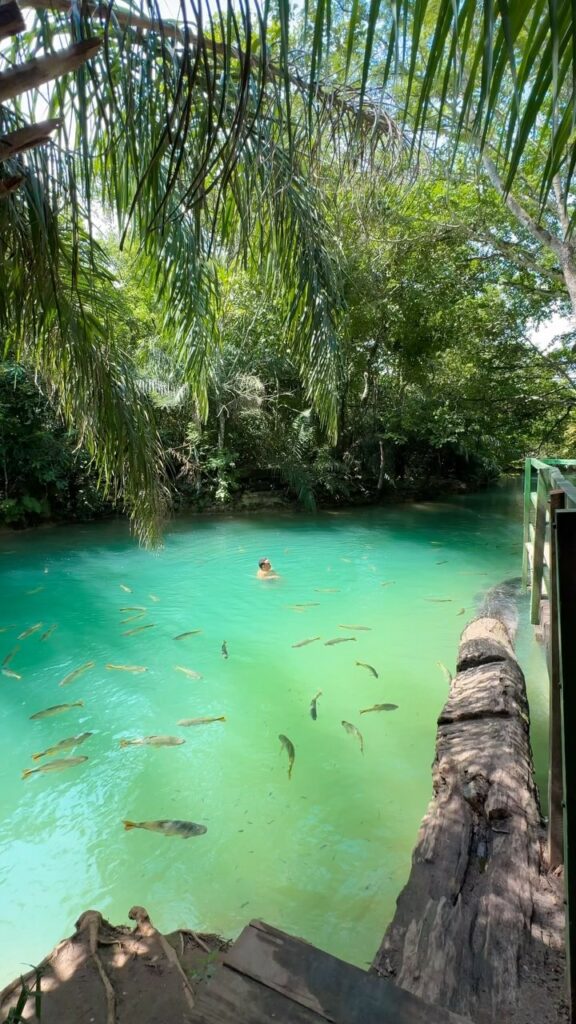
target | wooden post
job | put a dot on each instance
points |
(527, 510)
(566, 581)
(555, 811)
(26, 138)
(36, 72)
(538, 548)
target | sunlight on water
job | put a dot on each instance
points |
(323, 855)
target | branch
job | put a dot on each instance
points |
(560, 249)
(561, 204)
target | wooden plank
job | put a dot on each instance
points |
(9, 185)
(36, 72)
(566, 575)
(555, 790)
(26, 138)
(330, 987)
(11, 20)
(232, 998)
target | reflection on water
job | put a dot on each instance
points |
(323, 853)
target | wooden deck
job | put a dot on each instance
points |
(269, 976)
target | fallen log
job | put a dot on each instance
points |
(462, 928)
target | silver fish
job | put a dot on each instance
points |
(380, 707)
(364, 664)
(224, 649)
(28, 632)
(188, 672)
(153, 741)
(313, 711)
(445, 671)
(191, 632)
(48, 633)
(138, 629)
(201, 721)
(77, 672)
(67, 744)
(353, 731)
(127, 668)
(289, 747)
(56, 709)
(338, 640)
(303, 643)
(365, 629)
(55, 766)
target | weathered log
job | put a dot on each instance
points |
(462, 923)
(26, 138)
(11, 20)
(40, 70)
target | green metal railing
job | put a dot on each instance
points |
(549, 568)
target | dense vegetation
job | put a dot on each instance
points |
(288, 300)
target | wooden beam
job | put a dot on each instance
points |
(35, 73)
(26, 138)
(9, 185)
(11, 20)
(555, 785)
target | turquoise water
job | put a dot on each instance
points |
(323, 854)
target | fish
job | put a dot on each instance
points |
(10, 655)
(365, 629)
(48, 633)
(139, 629)
(353, 731)
(201, 721)
(77, 672)
(192, 632)
(224, 649)
(35, 591)
(289, 747)
(387, 583)
(133, 608)
(56, 709)
(445, 671)
(307, 604)
(188, 672)
(68, 744)
(10, 673)
(153, 598)
(127, 590)
(364, 664)
(169, 827)
(461, 612)
(338, 640)
(327, 590)
(439, 600)
(444, 561)
(4, 629)
(153, 741)
(310, 640)
(127, 668)
(28, 632)
(133, 618)
(313, 711)
(379, 707)
(55, 766)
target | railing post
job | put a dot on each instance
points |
(566, 583)
(527, 511)
(555, 813)
(538, 548)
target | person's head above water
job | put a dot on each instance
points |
(264, 563)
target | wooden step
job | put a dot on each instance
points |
(268, 975)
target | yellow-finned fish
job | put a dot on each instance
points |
(55, 766)
(353, 731)
(191, 632)
(338, 640)
(10, 655)
(48, 633)
(28, 632)
(77, 672)
(138, 629)
(202, 721)
(445, 671)
(127, 590)
(56, 709)
(327, 590)
(303, 643)
(188, 672)
(133, 618)
(364, 664)
(313, 711)
(133, 608)
(365, 629)
(170, 827)
(380, 707)
(153, 741)
(289, 748)
(10, 673)
(307, 604)
(68, 744)
(126, 668)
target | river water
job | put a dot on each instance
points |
(322, 854)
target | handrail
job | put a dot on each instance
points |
(549, 567)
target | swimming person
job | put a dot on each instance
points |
(265, 570)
